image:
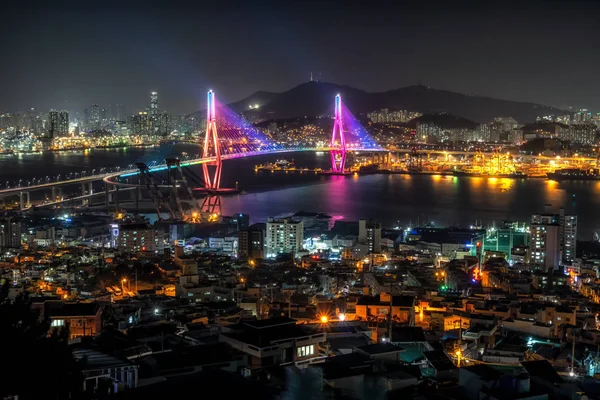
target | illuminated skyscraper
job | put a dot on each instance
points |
(568, 236)
(63, 123)
(52, 125)
(553, 239)
(369, 233)
(58, 124)
(86, 119)
(95, 116)
(154, 104)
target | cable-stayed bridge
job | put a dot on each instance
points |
(227, 136)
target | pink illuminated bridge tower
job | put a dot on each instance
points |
(338, 142)
(211, 147)
(212, 169)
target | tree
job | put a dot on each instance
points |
(35, 364)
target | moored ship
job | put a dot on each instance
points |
(574, 174)
(512, 175)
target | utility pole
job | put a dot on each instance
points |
(136, 282)
(391, 316)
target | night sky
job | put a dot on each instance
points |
(68, 55)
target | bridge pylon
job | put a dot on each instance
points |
(212, 149)
(338, 141)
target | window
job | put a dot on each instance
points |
(57, 322)
(304, 351)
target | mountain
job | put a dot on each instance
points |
(316, 98)
(259, 98)
(446, 121)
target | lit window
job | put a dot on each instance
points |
(304, 351)
(57, 322)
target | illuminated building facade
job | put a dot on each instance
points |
(136, 237)
(284, 236)
(10, 233)
(369, 233)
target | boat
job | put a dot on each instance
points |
(284, 163)
(6, 152)
(574, 174)
(512, 175)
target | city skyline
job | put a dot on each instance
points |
(124, 53)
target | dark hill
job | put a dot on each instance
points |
(316, 98)
(444, 120)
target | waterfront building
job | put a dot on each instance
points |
(284, 236)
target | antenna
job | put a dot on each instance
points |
(311, 77)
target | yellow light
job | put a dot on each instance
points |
(65, 296)
(324, 319)
(124, 280)
(458, 353)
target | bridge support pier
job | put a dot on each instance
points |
(107, 197)
(24, 200)
(116, 198)
(56, 193)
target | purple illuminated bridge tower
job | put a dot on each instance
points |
(338, 142)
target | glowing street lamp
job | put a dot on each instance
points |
(324, 319)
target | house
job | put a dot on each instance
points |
(402, 307)
(484, 382)
(82, 319)
(274, 341)
(103, 373)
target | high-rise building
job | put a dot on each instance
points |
(103, 117)
(120, 111)
(86, 119)
(568, 236)
(544, 246)
(63, 123)
(136, 237)
(369, 233)
(251, 243)
(284, 236)
(95, 116)
(58, 124)
(10, 233)
(52, 127)
(154, 104)
(553, 239)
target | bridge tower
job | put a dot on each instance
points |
(211, 204)
(338, 142)
(212, 149)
